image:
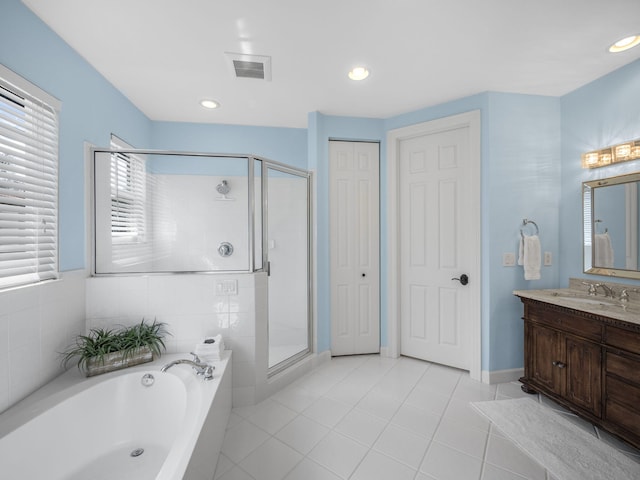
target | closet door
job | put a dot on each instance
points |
(355, 247)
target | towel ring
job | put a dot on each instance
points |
(606, 230)
(527, 221)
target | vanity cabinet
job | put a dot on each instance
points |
(588, 363)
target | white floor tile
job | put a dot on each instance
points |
(223, 466)
(310, 470)
(361, 426)
(272, 460)
(504, 454)
(302, 434)
(236, 473)
(376, 465)
(460, 437)
(271, 416)
(444, 463)
(430, 401)
(491, 472)
(241, 440)
(418, 421)
(295, 398)
(373, 418)
(381, 405)
(339, 454)
(327, 411)
(348, 392)
(403, 445)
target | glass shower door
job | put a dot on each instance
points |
(287, 244)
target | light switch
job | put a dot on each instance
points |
(508, 259)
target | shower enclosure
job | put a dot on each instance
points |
(176, 212)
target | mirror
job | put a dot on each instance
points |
(610, 208)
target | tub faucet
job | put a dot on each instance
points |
(202, 369)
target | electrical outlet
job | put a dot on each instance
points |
(548, 261)
(508, 259)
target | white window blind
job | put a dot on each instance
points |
(28, 182)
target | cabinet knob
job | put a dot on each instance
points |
(558, 364)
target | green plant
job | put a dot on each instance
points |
(94, 347)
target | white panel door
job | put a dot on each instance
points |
(435, 204)
(354, 248)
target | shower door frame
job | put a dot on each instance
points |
(266, 165)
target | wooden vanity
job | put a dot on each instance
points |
(586, 357)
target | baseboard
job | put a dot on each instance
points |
(502, 376)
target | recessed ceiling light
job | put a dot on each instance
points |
(210, 104)
(625, 44)
(358, 73)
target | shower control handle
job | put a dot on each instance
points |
(225, 249)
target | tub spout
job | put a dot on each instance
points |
(202, 369)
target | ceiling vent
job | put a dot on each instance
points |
(250, 66)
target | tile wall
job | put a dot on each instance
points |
(37, 322)
(193, 309)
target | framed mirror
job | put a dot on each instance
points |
(610, 233)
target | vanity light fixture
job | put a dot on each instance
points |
(625, 44)
(358, 73)
(622, 152)
(210, 104)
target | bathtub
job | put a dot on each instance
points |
(114, 427)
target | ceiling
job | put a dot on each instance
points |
(167, 55)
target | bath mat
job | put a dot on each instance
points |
(564, 449)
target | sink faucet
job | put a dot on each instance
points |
(608, 291)
(624, 294)
(202, 369)
(592, 288)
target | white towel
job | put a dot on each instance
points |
(603, 255)
(529, 256)
(209, 352)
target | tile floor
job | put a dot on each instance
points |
(370, 418)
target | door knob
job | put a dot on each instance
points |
(464, 279)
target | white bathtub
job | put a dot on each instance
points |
(87, 429)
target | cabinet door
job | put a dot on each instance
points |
(545, 349)
(583, 370)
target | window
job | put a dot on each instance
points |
(28, 182)
(128, 185)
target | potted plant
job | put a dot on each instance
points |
(105, 350)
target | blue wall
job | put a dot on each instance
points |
(603, 113)
(285, 145)
(91, 110)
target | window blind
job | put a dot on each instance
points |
(129, 217)
(28, 184)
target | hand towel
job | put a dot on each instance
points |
(531, 257)
(603, 255)
(210, 348)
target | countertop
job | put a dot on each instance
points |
(579, 299)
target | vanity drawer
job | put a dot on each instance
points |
(626, 417)
(579, 326)
(623, 367)
(621, 338)
(622, 404)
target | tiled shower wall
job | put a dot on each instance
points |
(36, 324)
(193, 309)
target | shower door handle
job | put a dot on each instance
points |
(268, 269)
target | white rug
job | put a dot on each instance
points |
(564, 449)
